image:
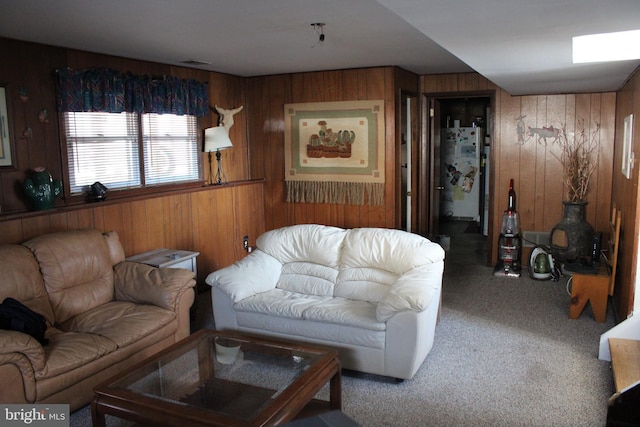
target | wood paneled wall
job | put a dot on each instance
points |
(626, 196)
(225, 90)
(204, 219)
(212, 221)
(266, 97)
(532, 164)
(31, 67)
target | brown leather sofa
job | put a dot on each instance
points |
(103, 314)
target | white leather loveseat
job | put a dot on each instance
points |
(371, 293)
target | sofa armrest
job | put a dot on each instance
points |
(14, 343)
(257, 272)
(414, 290)
(144, 284)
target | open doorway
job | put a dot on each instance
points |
(464, 140)
(409, 124)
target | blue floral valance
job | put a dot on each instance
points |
(111, 91)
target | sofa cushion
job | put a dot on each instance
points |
(281, 303)
(294, 305)
(341, 311)
(305, 330)
(306, 242)
(77, 270)
(121, 322)
(364, 283)
(308, 278)
(69, 350)
(21, 280)
(375, 258)
(393, 250)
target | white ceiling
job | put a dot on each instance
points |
(524, 46)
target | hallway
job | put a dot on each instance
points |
(467, 245)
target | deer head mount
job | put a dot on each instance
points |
(226, 116)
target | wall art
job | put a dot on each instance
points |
(5, 130)
(334, 152)
(627, 147)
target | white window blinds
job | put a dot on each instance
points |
(102, 147)
(170, 148)
(107, 147)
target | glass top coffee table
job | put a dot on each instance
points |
(217, 378)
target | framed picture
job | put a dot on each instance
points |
(6, 146)
(627, 147)
(334, 152)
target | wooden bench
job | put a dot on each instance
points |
(624, 405)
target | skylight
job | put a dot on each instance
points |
(619, 46)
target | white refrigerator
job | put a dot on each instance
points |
(461, 147)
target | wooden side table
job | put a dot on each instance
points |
(168, 258)
(592, 288)
(171, 258)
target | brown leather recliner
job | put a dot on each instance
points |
(103, 314)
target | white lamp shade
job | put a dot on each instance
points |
(216, 138)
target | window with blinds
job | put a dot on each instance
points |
(170, 148)
(109, 147)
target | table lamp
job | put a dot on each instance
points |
(216, 139)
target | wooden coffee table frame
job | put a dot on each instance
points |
(296, 401)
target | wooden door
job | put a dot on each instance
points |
(435, 186)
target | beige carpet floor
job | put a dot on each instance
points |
(505, 354)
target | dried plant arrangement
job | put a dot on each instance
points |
(579, 159)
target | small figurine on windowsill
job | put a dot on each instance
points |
(42, 189)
